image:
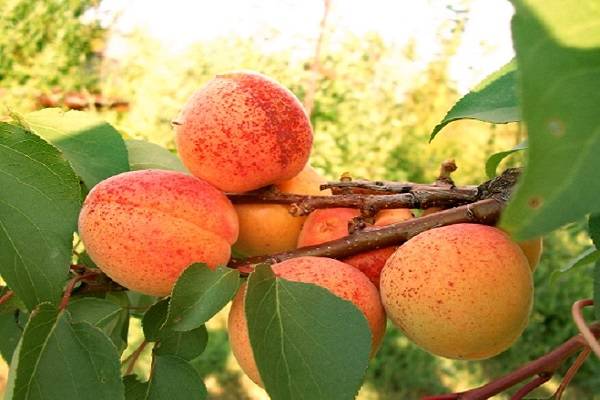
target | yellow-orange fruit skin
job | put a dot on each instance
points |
(332, 223)
(339, 278)
(242, 131)
(462, 291)
(144, 228)
(532, 249)
(270, 228)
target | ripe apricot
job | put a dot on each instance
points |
(242, 131)
(270, 228)
(461, 291)
(143, 228)
(532, 249)
(339, 278)
(329, 224)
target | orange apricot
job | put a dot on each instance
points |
(143, 228)
(461, 291)
(270, 228)
(532, 249)
(329, 224)
(339, 278)
(243, 131)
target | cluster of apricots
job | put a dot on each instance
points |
(462, 291)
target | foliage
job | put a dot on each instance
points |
(45, 44)
(47, 156)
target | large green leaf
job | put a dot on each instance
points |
(597, 291)
(187, 345)
(172, 378)
(560, 89)
(146, 155)
(58, 359)
(493, 100)
(200, 293)
(40, 199)
(94, 148)
(103, 314)
(308, 343)
(10, 333)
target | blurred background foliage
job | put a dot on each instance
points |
(372, 117)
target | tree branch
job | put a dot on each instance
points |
(542, 367)
(481, 212)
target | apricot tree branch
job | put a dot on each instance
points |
(541, 368)
(571, 373)
(481, 212)
(392, 195)
(531, 385)
(577, 312)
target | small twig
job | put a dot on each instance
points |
(71, 286)
(531, 385)
(571, 372)
(577, 312)
(6, 297)
(133, 357)
(446, 169)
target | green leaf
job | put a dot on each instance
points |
(491, 165)
(58, 359)
(560, 89)
(40, 200)
(175, 379)
(154, 319)
(172, 378)
(594, 229)
(588, 256)
(134, 389)
(187, 345)
(10, 333)
(199, 294)
(94, 148)
(11, 305)
(101, 313)
(307, 343)
(597, 291)
(493, 100)
(139, 303)
(146, 155)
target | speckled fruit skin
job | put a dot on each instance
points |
(270, 228)
(462, 291)
(243, 131)
(144, 228)
(332, 223)
(532, 249)
(341, 279)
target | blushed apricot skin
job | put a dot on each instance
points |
(532, 249)
(339, 278)
(144, 228)
(461, 291)
(332, 223)
(270, 228)
(243, 131)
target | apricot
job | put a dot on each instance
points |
(270, 228)
(143, 228)
(339, 278)
(329, 224)
(461, 291)
(532, 249)
(242, 131)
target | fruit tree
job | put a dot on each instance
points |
(314, 270)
